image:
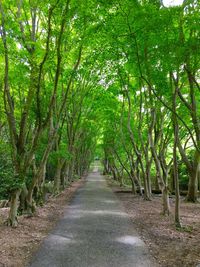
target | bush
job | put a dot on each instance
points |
(6, 173)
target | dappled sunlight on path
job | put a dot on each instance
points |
(94, 232)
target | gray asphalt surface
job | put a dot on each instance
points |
(94, 232)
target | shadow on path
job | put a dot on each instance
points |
(94, 232)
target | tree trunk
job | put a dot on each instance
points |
(133, 187)
(162, 184)
(57, 177)
(38, 178)
(192, 186)
(23, 195)
(12, 220)
(148, 178)
(71, 170)
(198, 178)
(147, 194)
(165, 197)
(177, 193)
(114, 173)
(175, 163)
(172, 180)
(106, 170)
(65, 174)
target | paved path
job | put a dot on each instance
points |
(94, 232)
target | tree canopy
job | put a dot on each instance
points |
(118, 80)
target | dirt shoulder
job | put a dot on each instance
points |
(171, 248)
(18, 245)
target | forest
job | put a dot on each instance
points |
(114, 80)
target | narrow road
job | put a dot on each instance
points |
(94, 232)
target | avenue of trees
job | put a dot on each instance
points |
(122, 76)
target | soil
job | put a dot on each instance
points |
(169, 246)
(18, 244)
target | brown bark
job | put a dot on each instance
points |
(57, 177)
(193, 175)
(129, 173)
(165, 197)
(191, 106)
(175, 163)
(37, 181)
(137, 152)
(161, 182)
(14, 203)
